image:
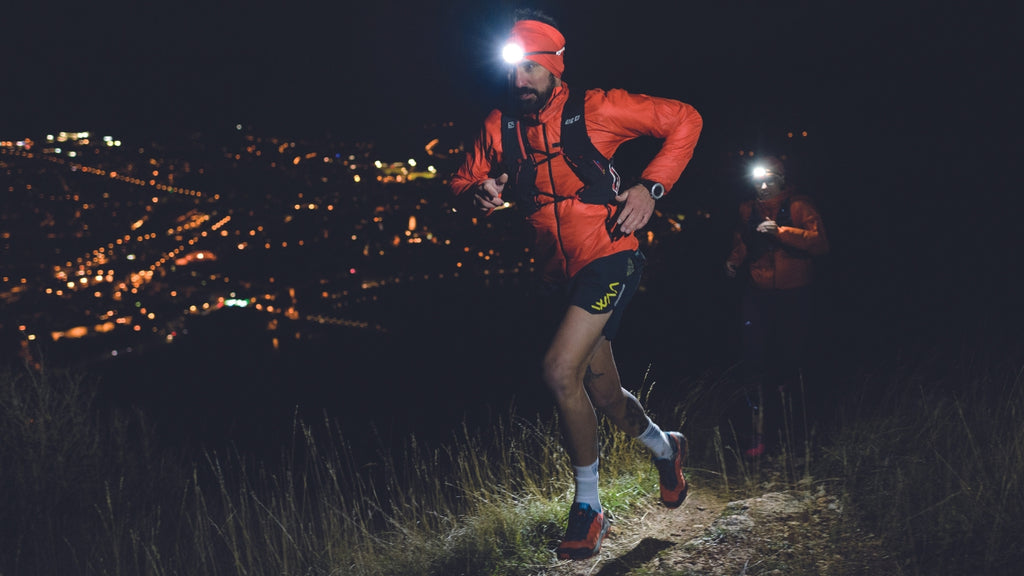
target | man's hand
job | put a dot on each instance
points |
(487, 194)
(768, 227)
(636, 211)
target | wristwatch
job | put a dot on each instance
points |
(654, 188)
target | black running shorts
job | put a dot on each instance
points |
(606, 285)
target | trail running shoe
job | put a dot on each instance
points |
(670, 472)
(584, 534)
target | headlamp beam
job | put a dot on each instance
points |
(514, 54)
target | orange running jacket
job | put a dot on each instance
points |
(780, 269)
(569, 234)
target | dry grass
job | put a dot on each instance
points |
(937, 473)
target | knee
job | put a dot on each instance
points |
(561, 377)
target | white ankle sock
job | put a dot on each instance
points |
(586, 485)
(657, 441)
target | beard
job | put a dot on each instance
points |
(768, 193)
(533, 105)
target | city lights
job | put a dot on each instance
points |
(167, 238)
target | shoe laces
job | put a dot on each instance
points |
(580, 519)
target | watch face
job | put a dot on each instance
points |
(656, 190)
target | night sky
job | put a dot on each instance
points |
(912, 106)
(379, 66)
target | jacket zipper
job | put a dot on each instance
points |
(555, 201)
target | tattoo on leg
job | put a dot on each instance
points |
(590, 376)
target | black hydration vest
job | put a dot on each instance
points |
(600, 180)
(759, 244)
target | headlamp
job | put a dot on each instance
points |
(764, 177)
(514, 54)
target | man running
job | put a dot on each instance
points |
(551, 158)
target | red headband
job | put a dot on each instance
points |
(536, 36)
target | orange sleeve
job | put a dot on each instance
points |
(807, 232)
(482, 158)
(615, 116)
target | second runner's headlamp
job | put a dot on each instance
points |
(767, 173)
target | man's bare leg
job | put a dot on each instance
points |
(603, 383)
(579, 364)
(565, 365)
(580, 370)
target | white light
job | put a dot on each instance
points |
(512, 53)
(760, 172)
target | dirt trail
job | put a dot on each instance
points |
(803, 531)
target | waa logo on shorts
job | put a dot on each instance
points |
(609, 298)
